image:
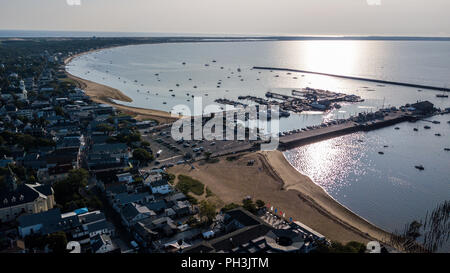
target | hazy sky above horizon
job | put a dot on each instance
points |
(271, 17)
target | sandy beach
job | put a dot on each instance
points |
(273, 180)
(104, 94)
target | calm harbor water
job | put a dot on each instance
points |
(385, 189)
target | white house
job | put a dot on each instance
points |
(125, 178)
(161, 187)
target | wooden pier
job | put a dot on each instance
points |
(348, 127)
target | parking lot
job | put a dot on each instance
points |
(169, 152)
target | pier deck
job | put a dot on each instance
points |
(348, 127)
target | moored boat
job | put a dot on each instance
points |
(420, 167)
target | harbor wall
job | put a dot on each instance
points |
(357, 78)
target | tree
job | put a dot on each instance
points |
(57, 242)
(3, 185)
(229, 207)
(260, 204)
(207, 210)
(104, 127)
(337, 247)
(59, 111)
(249, 205)
(142, 155)
(207, 155)
(67, 190)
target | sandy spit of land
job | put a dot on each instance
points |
(104, 94)
(273, 180)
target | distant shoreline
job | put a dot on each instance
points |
(5, 34)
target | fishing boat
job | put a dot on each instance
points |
(437, 134)
(381, 153)
(442, 95)
(447, 149)
(419, 167)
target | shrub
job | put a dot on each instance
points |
(187, 184)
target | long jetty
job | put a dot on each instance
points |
(357, 78)
(348, 127)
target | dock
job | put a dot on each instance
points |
(347, 127)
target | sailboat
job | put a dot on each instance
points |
(443, 95)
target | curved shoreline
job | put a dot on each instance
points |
(105, 94)
(272, 179)
(295, 180)
(277, 165)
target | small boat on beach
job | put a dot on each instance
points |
(420, 167)
(447, 149)
(397, 128)
(415, 129)
(437, 134)
(427, 127)
(381, 153)
(436, 122)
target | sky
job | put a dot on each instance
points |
(258, 17)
